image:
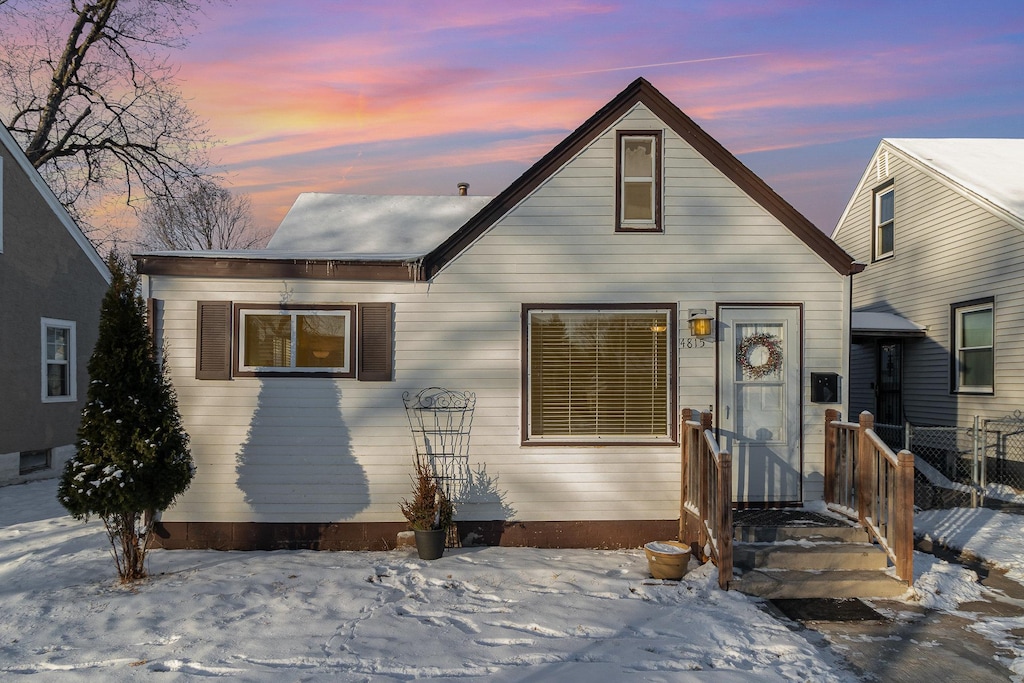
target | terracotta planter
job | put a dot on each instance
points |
(430, 544)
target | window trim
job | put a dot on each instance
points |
(238, 337)
(655, 223)
(876, 227)
(956, 311)
(671, 437)
(71, 362)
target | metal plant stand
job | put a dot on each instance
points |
(440, 420)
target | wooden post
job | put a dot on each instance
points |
(831, 474)
(684, 470)
(724, 521)
(865, 460)
(904, 541)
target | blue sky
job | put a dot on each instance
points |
(412, 97)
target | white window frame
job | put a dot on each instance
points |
(529, 438)
(880, 225)
(958, 347)
(71, 362)
(347, 313)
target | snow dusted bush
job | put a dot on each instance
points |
(133, 458)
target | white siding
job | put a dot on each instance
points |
(948, 249)
(339, 450)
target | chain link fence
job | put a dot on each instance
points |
(987, 456)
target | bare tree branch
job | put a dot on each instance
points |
(87, 90)
(207, 217)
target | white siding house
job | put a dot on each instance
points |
(940, 225)
(562, 304)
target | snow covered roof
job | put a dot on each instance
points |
(875, 324)
(988, 167)
(371, 227)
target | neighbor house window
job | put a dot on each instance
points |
(34, 461)
(58, 360)
(885, 214)
(599, 375)
(296, 340)
(974, 363)
(638, 198)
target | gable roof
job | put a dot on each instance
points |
(985, 170)
(16, 154)
(297, 254)
(387, 227)
(641, 91)
(989, 168)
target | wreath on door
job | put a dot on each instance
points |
(772, 364)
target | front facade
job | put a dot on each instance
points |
(940, 225)
(563, 305)
(51, 284)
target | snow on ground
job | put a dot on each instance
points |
(494, 614)
(995, 537)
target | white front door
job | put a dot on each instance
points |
(759, 401)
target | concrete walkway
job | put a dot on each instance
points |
(914, 644)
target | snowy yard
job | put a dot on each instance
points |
(494, 614)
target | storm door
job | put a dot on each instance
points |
(889, 383)
(759, 401)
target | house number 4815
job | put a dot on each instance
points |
(693, 343)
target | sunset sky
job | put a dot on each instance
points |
(392, 97)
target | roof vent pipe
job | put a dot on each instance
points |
(463, 189)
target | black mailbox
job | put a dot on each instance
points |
(824, 387)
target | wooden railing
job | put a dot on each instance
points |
(865, 480)
(705, 518)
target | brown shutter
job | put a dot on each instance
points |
(375, 342)
(213, 340)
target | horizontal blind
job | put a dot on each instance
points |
(599, 374)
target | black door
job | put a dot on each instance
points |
(889, 383)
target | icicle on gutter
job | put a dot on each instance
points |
(415, 267)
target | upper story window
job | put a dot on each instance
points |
(58, 360)
(885, 223)
(599, 375)
(638, 195)
(296, 340)
(974, 362)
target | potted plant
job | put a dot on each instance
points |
(429, 512)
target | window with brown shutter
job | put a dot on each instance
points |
(375, 342)
(213, 340)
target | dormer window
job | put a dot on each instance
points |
(638, 196)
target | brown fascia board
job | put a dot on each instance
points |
(311, 269)
(642, 91)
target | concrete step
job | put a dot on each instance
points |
(850, 583)
(777, 534)
(814, 557)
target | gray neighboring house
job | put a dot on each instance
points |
(938, 312)
(51, 284)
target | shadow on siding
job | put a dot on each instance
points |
(296, 463)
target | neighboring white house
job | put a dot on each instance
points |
(51, 284)
(562, 304)
(938, 312)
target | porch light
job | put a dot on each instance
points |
(701, 324)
